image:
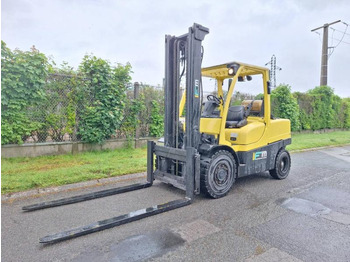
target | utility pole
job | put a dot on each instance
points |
(324, 57)
(273, 71)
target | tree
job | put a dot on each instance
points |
(106, 86)
(284, 105)
(323, 109)
(64, 97)
(22, 87)
(345, 112)
(156, 127)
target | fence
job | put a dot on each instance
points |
(59, 113)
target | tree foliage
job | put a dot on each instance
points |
(41, 100)
(320, 108)
(151, 97)
(107, 85)
(156, 127)
(59, 109)
(22, 88)
(131, 119)
(345, 113)
(284, 105)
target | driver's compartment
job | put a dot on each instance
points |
(228, 120)
(244, 123)
(236, 115)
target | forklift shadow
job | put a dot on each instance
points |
(259, 179)
(263, 176)
(251, 180)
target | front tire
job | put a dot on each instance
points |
(282, 165)
(219, 174)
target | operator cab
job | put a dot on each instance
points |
(236, 116)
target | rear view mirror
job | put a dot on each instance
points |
(244, 78)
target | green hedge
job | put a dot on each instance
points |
(23, 77)
(94, 103)
(40, 100)
(318, 108)
(284, 105)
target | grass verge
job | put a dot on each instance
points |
(20, 174)
(304, 141)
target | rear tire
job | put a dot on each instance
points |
(282, 165)
(218, 174)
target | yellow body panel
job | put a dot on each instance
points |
(248, 134)
(279, 129)
(210, 126)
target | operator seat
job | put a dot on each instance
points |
(236, 117)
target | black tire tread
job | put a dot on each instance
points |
(274, 172)
(205, 165)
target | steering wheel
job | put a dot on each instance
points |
(214, 99)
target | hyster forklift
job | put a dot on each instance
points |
(208, 149)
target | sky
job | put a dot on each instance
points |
(133, 31)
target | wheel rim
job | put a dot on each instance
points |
(284, 165)
(221, 176)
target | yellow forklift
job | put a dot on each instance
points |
(207, 144)
(243, 139)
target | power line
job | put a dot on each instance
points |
(342, 41)
(340, 31)
(319, 36)
(332, 48)
(346, 28)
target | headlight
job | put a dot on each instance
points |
(231, 71)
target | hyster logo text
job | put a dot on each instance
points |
(260, 155)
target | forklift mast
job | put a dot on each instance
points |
(178, 162)
(184, 51)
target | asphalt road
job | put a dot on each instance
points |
(303, 218)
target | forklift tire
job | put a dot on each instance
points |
(282, 165)
(218, 174)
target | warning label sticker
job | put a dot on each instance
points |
(196, 88)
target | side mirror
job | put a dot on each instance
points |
(244, 78)
(229, 84)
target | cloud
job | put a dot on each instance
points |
(133, 31)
